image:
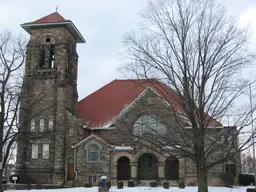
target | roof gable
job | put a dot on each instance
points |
(88, 138)
(102, 107)
(127, 108)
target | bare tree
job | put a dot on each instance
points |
(195, 49)
(12, 59)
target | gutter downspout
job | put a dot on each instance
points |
(110, 166)
(75, 171)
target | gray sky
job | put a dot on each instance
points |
(102, 23)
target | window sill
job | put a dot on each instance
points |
(93, 162)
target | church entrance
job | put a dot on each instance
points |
(147, 168)
(123, 169)
(70, 169)
(171, 168)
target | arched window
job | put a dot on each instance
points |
(47, 56)
(93, 155)
(149, 124)
(50, 124)
(41, 125)
(71, 132)
(33, 125)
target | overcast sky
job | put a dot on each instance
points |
(102, 23)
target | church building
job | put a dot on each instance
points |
(63, 140)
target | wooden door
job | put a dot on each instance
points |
(124, 169)
(171, 169)
(70, 171)
(147, 168)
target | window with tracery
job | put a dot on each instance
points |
(93, 155)
(149, 124)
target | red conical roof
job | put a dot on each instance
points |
(51, 18)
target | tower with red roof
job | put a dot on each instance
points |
(49, 100)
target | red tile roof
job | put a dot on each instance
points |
(51, 18)
(106, 103)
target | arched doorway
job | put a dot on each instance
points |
(123, 169)
(171, 168)
(147, 167)
(70, 169)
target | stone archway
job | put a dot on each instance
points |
(114, 164)
(123, 168)
(147, 167)
(171, 168)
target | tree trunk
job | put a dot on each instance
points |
(202, 179)
(1, 181)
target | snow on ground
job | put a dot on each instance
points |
(137, 189)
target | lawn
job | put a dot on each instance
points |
(137, 189)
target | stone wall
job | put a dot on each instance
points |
(85, 169)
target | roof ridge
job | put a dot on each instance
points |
(115, 80)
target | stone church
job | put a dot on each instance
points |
(63, 140)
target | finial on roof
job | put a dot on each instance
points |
(56, 9)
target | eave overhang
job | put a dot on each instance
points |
(69, 24)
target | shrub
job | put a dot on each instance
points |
(246, 179)
(250, 190)
(88, 185)
(166, 185)
(181, 184)
(29, 186)
(131, 183)
(108, 184)
(228, 179)
(153, 184)
(120, 185)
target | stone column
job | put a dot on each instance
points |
(134, 169)
(161, 171)
(182, 169)
(114, 174)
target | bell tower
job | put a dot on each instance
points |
(48, 92)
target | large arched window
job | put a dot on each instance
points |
(93, 155)
(149, 124)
